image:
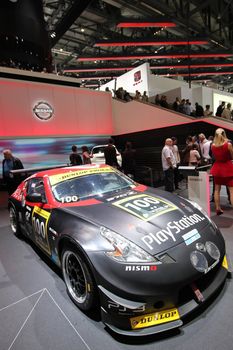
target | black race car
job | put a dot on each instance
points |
(145, 256)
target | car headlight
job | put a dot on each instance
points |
(124, 250)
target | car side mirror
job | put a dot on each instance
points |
(35, 198)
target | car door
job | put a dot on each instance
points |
(37, 214)
(98, 155)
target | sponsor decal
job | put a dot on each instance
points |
(155, 318)
(55, 179)
(140, 268)
(43, 110)
(171, 230)
(225, 263)
(144, 206)
(197, 292)
(120, 196)
(191, 236)
(112, 305)
(17, 194)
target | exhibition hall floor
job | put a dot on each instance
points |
(36, 313)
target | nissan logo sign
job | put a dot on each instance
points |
(43, 111)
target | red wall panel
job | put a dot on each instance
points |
(76, 111)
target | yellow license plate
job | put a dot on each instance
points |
(155, 318)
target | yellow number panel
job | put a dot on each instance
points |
(144, 206)
(40, 218)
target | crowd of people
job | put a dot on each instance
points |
(77, 159)
(128, 165)
(216, 151)
(183, 106)
(124, 95)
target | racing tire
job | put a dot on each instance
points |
(80, 284)
(14, 222)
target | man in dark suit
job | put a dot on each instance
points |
(110, 154)
(75, 158)
(11, 163)
(220, 109)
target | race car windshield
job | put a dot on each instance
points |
(83, 187)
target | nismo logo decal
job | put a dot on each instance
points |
(140, 268)
(145, 207)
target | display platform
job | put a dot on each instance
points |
(36, 313)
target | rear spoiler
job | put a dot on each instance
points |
(29, 171)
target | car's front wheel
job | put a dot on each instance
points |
(80, 284)
(14, 221)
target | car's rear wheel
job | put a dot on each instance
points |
(80, 284)
(14, 221)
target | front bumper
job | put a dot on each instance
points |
(127, 317)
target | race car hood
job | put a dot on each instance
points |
(155, 223)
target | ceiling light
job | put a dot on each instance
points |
(143, 24)
(149, 43)
(63, 52)
(159, 56)
(96, 78)
(82, 30)
(197, 74)
(204, 65)
(78, 70)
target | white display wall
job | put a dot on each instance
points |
(160, 85)
(141, 78)
(136, 79)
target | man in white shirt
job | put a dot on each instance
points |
(204, 145)
(169, 164)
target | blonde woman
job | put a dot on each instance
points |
(222, 169)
